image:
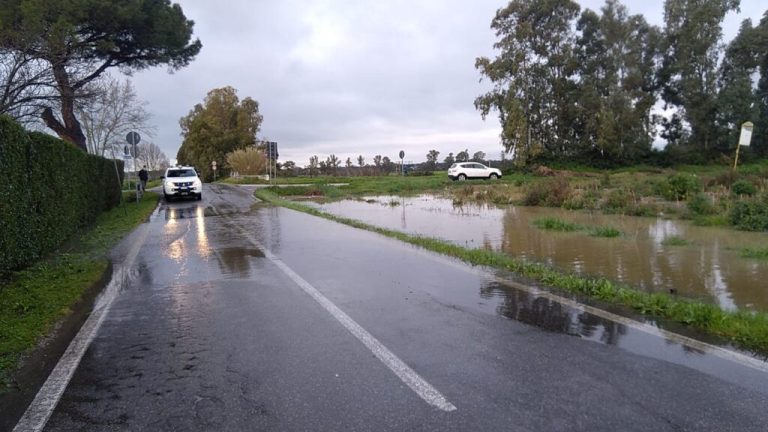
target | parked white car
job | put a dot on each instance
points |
(468, 170)
(182, 182)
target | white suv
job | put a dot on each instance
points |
(465, 170)
(182, 182)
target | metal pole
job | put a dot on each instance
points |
(736, 160)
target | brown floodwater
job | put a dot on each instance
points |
(709, 267)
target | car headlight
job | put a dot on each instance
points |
(198, 184)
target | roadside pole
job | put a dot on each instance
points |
(213, 165)
(133, 139)
(402, 164)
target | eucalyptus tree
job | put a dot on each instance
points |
(432, 159)
(737, 100)
(693, 33)
(532, 77)
(617, 57)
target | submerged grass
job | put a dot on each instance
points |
(34, 299)
(759, 253)
(608, 232)
(674, 241)
(554, 224)
(745, 329)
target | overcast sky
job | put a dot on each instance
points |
(351, 77)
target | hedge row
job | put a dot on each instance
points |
(49, 189)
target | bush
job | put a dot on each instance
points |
(743, 187)
(701, 205)
(751, 214)
(552, 193)
(680, 186)
(49, 190)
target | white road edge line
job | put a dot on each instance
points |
(41, 408)
(482, 271)
(723, 353)
(412, 379)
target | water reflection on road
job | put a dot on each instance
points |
(708, 267)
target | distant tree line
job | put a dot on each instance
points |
(573, 85)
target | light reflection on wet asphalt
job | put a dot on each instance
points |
(210, 336)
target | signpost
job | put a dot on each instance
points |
(744, 140)
(402, 166)
(271, 150)
(213, 165)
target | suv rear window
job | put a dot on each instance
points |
(182, 173)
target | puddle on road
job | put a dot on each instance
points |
(555, 317)
(708, 268)
(236, 261)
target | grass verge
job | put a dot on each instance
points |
(34, 299)
(746, 330)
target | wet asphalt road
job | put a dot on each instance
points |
(213, 335)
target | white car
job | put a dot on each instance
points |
(468, 170)
(182, 182)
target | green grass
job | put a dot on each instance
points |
(554, 224)
(758, 253)
(745, 329)
(608, 232)
(674, 241)
(34, 299)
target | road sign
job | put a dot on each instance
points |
(271, 150)
(402, 154)
(133, 138)
(213, 165)
(746, 134)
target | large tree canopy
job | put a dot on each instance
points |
(217, 127)
(80, 39)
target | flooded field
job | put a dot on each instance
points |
(706, 267)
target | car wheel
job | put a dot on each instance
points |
(199, 196)
(167, 197)
(493, 176)
(462, 177)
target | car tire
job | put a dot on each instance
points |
(493, 176)
(462, 177)
(199, 196)
(167, 197)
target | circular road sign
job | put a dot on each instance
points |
(133, 138)
(402, 154)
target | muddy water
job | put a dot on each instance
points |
(708, 267)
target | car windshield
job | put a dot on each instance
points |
(182, 173)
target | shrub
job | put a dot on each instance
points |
(248, 161)
(680, 186)
(743, 187)
(617, 201)
(50, 189)
(701, 205)
(553, 192)
(750, 214)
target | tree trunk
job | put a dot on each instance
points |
(70, 130)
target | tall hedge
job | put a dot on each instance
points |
(49, 189)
